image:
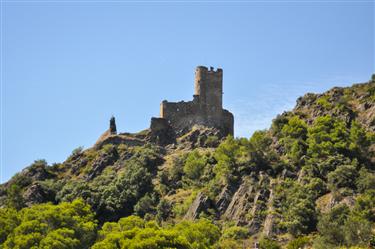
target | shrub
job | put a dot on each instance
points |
(298, 243)
(67, 225)
(194, 165)
(266, 243)
(343, 176)
(236, 233)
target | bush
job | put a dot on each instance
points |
(366, 180)
(330, 225)
(298, 243)
(236, 233)
(163, 210)
(67, 225)
(133, 232)
(212, 141)
(266, 243)
(343, 176)
(194, 165)
(14, 197)
(327, 136)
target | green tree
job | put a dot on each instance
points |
(146, 205)
(327, 136)
(343, 176)
(14, 197)
(330, 225)
(360, 140)
(365, 180)
(235, 232)
(9, 220)
(67, 225)
(298, 243)
(163, 210)
(194, 165)
(266, 243)
(296, 128)
(133, 232)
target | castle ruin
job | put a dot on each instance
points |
(205, 109)
(178, 118)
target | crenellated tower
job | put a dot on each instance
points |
(208, 87)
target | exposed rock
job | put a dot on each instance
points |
(77, 163)
(328, 201)
(248, 202)
(37, 173)
(104, 160)
(200, 204)
(306, 100)
(35, 194)
(224, 199)
(199, 136)
(241, 203)
(118, 139)
(268, 227)
(259, 204)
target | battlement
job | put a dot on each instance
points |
(206, 108)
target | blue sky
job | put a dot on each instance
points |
(68, 66)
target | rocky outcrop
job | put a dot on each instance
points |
(248, 202)
(241, 203)
(268, 227)
(200, 136)
(119, 139)
(224, 199)
(37, 172)
(346, 103)
(36, 193)
(76, 162)
(105, 159)
(200, 204)
(328, 201)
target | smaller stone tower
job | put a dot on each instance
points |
(112, 126)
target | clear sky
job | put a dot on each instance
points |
(67, 66)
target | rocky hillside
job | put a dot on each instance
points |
(308, 181)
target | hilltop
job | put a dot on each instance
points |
(308, 180)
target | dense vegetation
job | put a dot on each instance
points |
(311, 176)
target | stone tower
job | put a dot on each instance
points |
(112, 126)
(208, 87)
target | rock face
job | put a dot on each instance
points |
(35, 194)
(200, 136)
(224, 199)
(328, 201)
(200, 204)
(244, 204)
(360, 106)
(104, 160)
(268, 229)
